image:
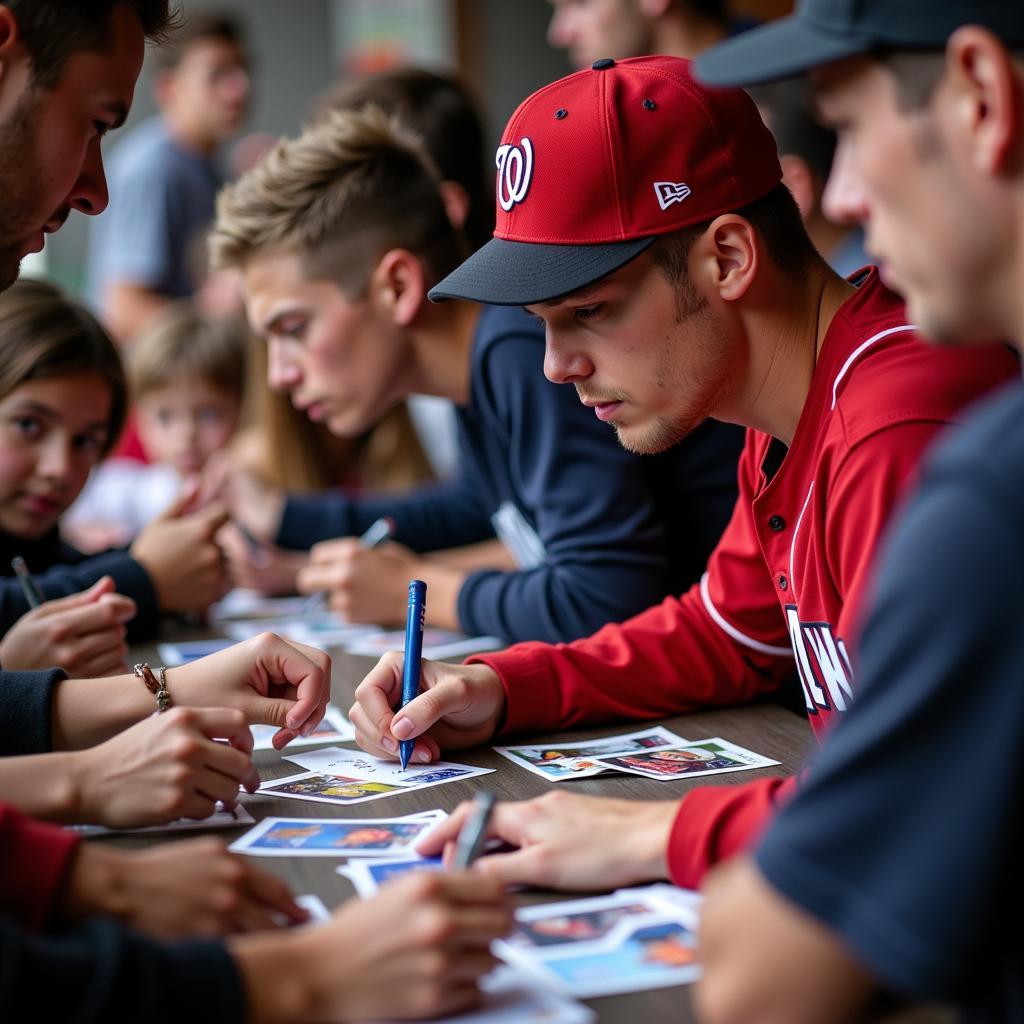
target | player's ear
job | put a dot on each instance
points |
(726, 257)
(399, 286)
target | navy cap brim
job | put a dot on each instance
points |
(504, 273)
(786, 48)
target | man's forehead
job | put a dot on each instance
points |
(112, 68)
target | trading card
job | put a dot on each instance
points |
(653, 955)
(558, 762)
(334, 727)
(192, 650)
(221, 818)
(329, 789)
(357, 764)
(335, 837)
(369, 874)
(242, 603)
(704, 757)
(569, 924)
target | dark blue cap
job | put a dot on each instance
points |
(824, 31)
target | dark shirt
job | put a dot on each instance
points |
(614, 532)
(60, 570)
(101, 972)
(907, 840)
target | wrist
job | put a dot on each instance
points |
(443, 586)
(650, 837)
(276, 971)
(95, 883)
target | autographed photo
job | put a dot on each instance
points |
(558, 762)
(706, 757)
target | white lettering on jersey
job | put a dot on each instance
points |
(822, 664)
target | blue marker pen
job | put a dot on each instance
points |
(413, 653)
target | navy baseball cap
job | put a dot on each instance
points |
(824, 31)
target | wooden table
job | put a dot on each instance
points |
(765, 728)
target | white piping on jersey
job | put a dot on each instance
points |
(860, 348)
(742, 638)
(792, 546)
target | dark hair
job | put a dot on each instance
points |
(441, 112)
(198, 28)
(45, 334)
(53, 30)
(775, 217)
(917, 73)
(787, 110)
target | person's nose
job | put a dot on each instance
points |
(844, 200)
(284, 369)
(89, 194)
(563, 363)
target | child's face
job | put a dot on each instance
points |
(52, 433)
(185, 422)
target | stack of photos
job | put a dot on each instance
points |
(632, 940)
(558, 762)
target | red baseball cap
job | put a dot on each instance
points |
(594, 167)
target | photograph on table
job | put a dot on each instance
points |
(337, 837)
(242, 603)
(334, 727)
(627, 941)
(703, 757)
(329, 789)
(356, 764)
(558, 762)
(369, 874)
(318, 628)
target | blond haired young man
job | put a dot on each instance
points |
(340, 234)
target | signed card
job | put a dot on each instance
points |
(357, 764)
(437, 643)
(237, 816)
(337, 837)
(334, 727)
(369, 874)
(704, 757)
(191, 650)
(558, 762)
(329, 789)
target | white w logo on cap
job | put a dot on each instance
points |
(515, 170)
(669, 192)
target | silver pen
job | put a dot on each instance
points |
(472, 835)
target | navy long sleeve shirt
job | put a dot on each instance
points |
(603, 533)
(61, 570)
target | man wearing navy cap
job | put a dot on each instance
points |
(898, 865)
(640, 216)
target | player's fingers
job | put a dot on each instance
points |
(270, 893)
(434, 842)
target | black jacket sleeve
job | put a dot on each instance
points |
(100, 972)
(26, 702)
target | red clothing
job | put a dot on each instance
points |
(788, 574)
(33, 861)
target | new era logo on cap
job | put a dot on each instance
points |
(669, 192)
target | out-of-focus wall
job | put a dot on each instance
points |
(293, 60)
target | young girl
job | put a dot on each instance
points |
(62, 405)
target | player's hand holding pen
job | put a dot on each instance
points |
(84, 634)
(415, 949)
(458, 706)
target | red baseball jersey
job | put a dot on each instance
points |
(788, 575)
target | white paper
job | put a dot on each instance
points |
(357, 764)
(437, 643)
(334, 728)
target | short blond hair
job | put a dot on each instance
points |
(181, 342)
(339, 196)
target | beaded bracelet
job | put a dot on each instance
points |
(156, 687)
